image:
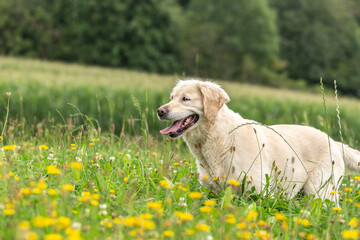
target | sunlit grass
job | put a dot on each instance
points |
(70, 179)
(91, 185)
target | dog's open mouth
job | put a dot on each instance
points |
(179, 126)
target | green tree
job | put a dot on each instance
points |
(320, 39)
(230, 39)
(135, 34)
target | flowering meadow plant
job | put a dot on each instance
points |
(103, 187)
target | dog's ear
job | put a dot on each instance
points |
(213, 98)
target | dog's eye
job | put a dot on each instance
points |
(186, 99)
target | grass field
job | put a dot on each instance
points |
(81, 159)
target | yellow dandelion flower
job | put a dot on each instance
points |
(233, 182)
(184, 216)
(24, 225)
(357, 205)
(156, 206)
(203, 227)
(337, 209)
(44, 147)
(25, 191)
(130, 221)
(350, 234)
(52, 192)
(148, 225)
(154, 154)
(303, 222)
(9, 147)
(333, 192)
(85, 197)
(9, 205)
(182, 188)
(189, 232)
(356, 178)
(53, 236)
(168, 233)
(230, 219)
(215, 179)
(241, 225)
(348, 200)
(133, 233)
(1, 138)
(96, 196)
(53, 170)
(107, 223)
(42, 185)
(67, 188)
(205, 177)
(310, 236)
(118, 221)
(94, 203)
(31, 235)
(279, 216)
(73, 234)
(209, 203)
(354, 222)
(348, 189)
(76, 165)
(252, 215)
(42, 222)
(195, 195)
(36, 191)
(261, 223)
(244, 235)
(16, 178)
(125, 179)
(262, 234)
(145, 216)
(165, 184)
(9, 211)
(176, 164)
(205, 209)
(64, 222)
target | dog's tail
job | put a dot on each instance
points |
(351, 157)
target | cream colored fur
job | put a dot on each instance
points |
(227, 146)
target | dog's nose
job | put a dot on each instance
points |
(162, 112)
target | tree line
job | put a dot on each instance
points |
(272, 42)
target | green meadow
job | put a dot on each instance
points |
(81, 157)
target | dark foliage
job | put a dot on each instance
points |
(134, 34)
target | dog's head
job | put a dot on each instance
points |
(191, 102)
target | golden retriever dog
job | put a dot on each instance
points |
(227, 146)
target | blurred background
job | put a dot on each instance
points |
(270, 42)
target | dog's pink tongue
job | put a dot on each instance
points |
(173, 128)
